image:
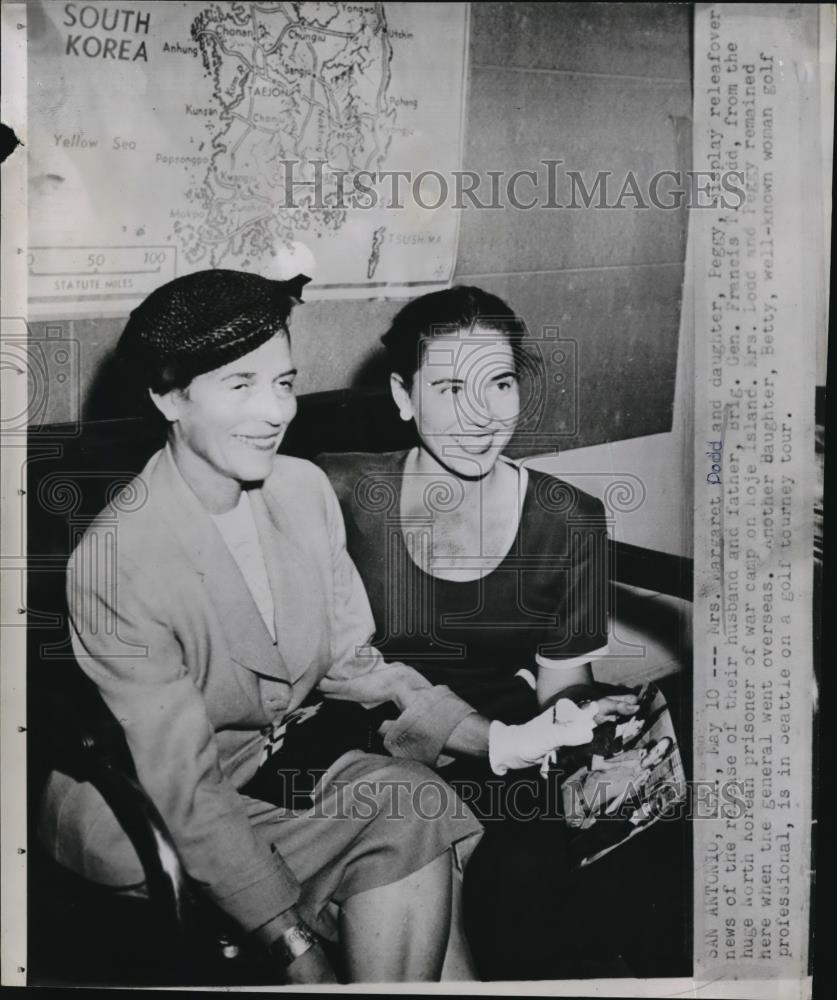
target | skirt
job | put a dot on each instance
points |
(374, 820)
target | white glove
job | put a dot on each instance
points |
(563, 725)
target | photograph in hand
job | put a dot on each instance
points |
(631, 777)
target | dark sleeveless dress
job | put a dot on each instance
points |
(548, 596)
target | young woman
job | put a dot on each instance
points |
(210, 609)
(489, 579)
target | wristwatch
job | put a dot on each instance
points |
(293, 942)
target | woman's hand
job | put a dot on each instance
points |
(312, 967)
(614, 706)
(562, 725)
(394, 682)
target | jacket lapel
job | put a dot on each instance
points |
(249, 641)
(300, 617)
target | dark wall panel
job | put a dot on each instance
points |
(617, 347)
(603, 87)
(628, 39)
(608, 124)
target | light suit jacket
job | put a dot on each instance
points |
(164, 623)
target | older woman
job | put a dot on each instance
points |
(224, 600)
(489, 579)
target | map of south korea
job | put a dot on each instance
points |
(302, 93)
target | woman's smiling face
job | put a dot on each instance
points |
(465, 399)
(232, 420)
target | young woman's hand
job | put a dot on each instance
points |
(614, 706)
(562, 725)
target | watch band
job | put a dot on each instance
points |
(293, 942)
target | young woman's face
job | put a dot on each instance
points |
(465, 399)
(233, 418)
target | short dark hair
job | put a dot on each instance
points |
(446, 311)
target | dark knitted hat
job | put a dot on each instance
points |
(201, 321)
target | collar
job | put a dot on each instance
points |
(250, 643)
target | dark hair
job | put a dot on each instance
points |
(437, 313)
